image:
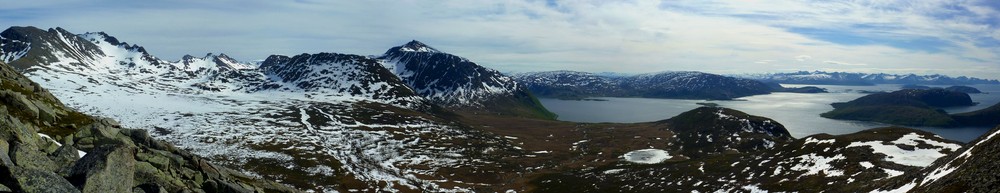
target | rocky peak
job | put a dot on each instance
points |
(416, 46)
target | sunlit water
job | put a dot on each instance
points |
(798, 112)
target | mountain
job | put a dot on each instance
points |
(682, 85)
(47, 147)
(570, 84)
(354, 75)
(848, 78)
(457, 82)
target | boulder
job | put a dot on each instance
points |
(19, 101)
(212, 186)
(65, 155)
(35, 180)
(29, 156)
(4, 154)
(146, 174)
(107, 168)
(148, 188)
(45, 112)
(100, 133)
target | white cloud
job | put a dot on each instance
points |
(844, 63)
(522, 35)
(803, 58)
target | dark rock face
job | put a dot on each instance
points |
(680, 85)
(117, 159)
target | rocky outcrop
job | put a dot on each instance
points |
(46, 147)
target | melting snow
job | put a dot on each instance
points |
(647, 156)
(916, 157)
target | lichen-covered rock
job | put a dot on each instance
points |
(101, 132)
(29, 156)
(107, 168)
(65, 155)
(19, 101)
(146, 174)
(35, 180)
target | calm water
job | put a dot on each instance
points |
(798, 112)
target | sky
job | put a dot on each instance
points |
(952, 37)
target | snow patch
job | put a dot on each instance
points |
(647, 156)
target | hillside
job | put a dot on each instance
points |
(970, 169)
(914, 107)
(818, 163)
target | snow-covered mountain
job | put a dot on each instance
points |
(457, 82)
(351, 75)
(848, 78)
(686, 85)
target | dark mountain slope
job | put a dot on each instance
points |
(456, 82)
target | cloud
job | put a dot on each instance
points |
(803, 58)
(844, 63)
(525, 35)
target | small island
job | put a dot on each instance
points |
(911, 107)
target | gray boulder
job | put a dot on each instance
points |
(34, 180)
(107, 168)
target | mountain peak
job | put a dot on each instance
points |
(417, 46)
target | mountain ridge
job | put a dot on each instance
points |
(851, 78)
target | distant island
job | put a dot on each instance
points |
(850, 78)
(962, 89)
(914, 107)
